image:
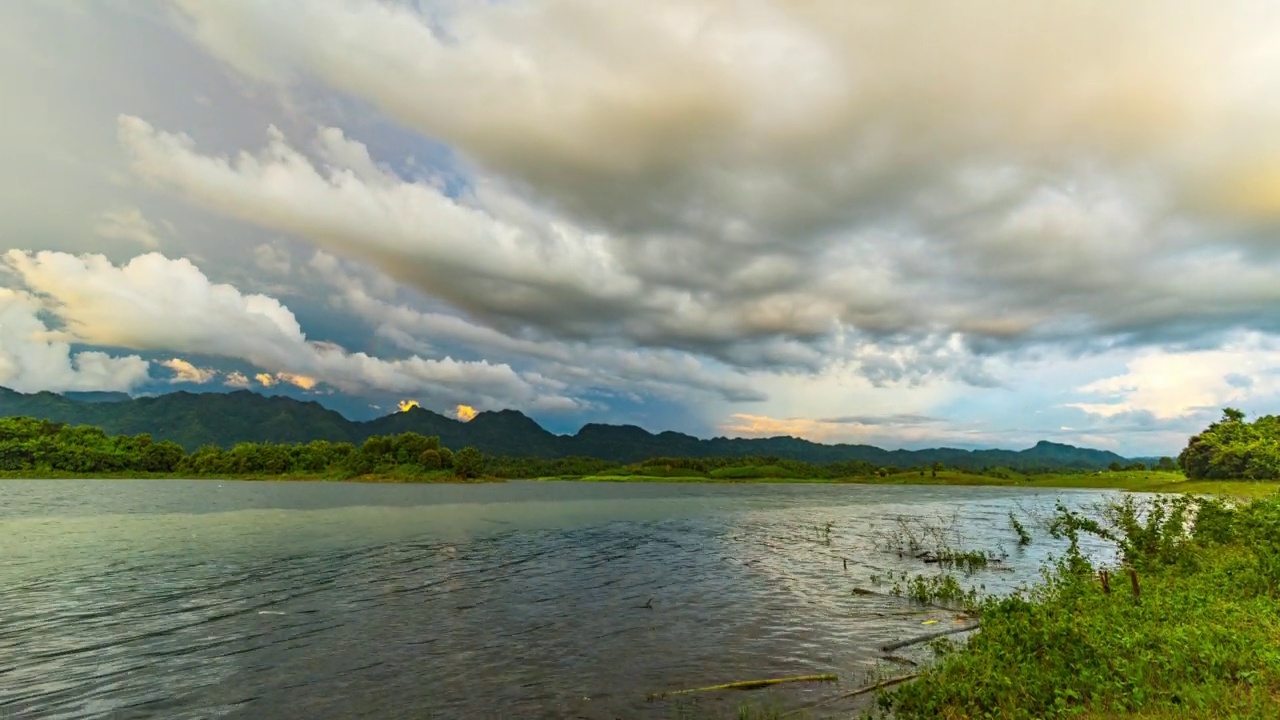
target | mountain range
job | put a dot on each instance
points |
(195, 419)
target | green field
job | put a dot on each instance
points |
(1131, 480)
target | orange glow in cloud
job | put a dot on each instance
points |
(464, 413)
(407, 405)
(828, 431)
(299, 381)
(743, 425)
(303, 382)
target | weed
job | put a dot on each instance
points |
(824, 532)
(1199, 644)
(1024, 537)
(933, 589)
(968, 560)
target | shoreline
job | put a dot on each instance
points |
(1129, 481)
(373, 478)
(1178, 626)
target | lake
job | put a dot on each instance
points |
(212, 599)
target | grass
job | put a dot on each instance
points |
(1198, 640)
(1130, 480)
(696, 479)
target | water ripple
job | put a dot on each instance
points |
(535, 603)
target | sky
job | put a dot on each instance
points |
(974, 224)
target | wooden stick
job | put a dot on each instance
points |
(923, 638)
(1133, 579)
(747, 685)
(900, 660)
(860, 691)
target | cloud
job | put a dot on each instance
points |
(185, 372)
(302, 382)
(237, 379)
(827, 209)
(1171, 385)
(33, 357)
(552, 279)
(153, 303)
(272, 259)
(885, 430)
(894, 419)
(668, 188)
(665, 373)
(407, 405)
(465, 413)
(127, 224)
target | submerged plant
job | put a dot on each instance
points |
(1024, 537)
(931, 589)
(968, 560)
(824, 532)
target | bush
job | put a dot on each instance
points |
(429, 459)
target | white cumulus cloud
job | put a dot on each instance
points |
(187, 372)
(153, 303)
(34, 358)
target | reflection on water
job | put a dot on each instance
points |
(176, 599)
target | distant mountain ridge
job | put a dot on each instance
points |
(195, 419)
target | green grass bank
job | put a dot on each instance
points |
(1185, 627)
(1131, 480)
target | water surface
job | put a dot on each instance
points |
(200, 599)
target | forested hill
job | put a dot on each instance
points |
(223, 419)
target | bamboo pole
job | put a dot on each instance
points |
(860, 691)
(924, 638)
(747, 685)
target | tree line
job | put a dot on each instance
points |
(745, 467)
(29, 445)
(1231, 448)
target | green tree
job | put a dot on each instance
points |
(408, 447)
(429, 459)
(1233, 448)
(161, 457)
(468, 463)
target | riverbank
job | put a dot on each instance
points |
(1132, 481)
(1129, 480)
(441, 477)
(1184, 629)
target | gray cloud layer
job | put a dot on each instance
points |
(666, 199)
(785, 184)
